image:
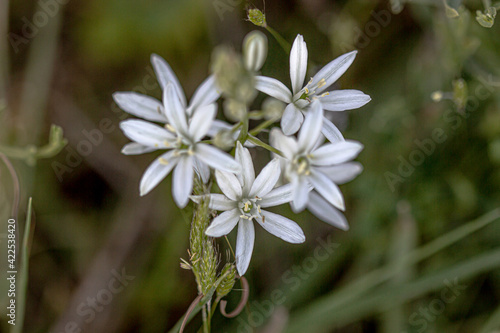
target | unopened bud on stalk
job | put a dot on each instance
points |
(486, 19)
(254, 50)
(257, 17)
(224, 139)
(234, 109)
(273, 108)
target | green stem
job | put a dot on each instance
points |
(283, 43)
(244, 131)
(264, 145)
(263, 126)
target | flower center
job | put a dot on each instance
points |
(309, 91)
(250, 209)
(301, 166)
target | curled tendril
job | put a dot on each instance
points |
(241, 304)
(189, 310)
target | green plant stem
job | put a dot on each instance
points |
(23, 271)
(244, 131)
(264, 145)
(283, 43)
(263, 126)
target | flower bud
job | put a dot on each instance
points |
(224, 139)
(234, 109)
(257, 17)
(254, 50)
(273, 108)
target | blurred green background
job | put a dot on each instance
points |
(430, 167)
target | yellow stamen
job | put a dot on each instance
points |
(163, 161)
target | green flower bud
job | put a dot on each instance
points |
(224, 139)
(234, 109)
(257, 17)
(254, 50)
(486, 19)
(273, 108)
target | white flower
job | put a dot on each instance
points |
(301, 96)
(181, 137)
(242, 199)
(321, 208)
(309, 166)
(150, 108)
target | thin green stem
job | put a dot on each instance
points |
(264, 145)
(263, 126)
(283, 43)
(244, 131)
(230, 247)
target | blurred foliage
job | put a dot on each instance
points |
(443, 154)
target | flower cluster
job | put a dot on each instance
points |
(305, 171)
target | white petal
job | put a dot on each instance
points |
(300, 193)
(298, 63)
(202, 170)
(166, 75)
(175, 112)
(291, 120)
(286, 144)
(216, 158)
(244, 245)
(247, 175)
(331, 132)
(140, 105)
(147, 134)
(341, 100)
(135, 148)
(201, 121)
(229, 184)
(182, 181)
(333, 70)
(311, 128)
(224, 223)
(282, 227)
(274, 88)
(277, 196)
(342, 173)
(326, 212)
(266, 180)
(336, 153)
(156, 171)
(205, 94)
(328, 189)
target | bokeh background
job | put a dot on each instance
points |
(431, 166)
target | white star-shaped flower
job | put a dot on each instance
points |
(181, 137)
(301, 96)
(151, 109)
(242, 201)
(309, 166)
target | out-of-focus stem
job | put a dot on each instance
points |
(38, 78)
(4, 54)
(282, 41)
